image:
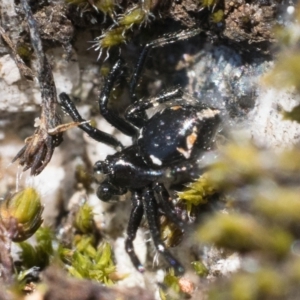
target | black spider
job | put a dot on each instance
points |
(165, 150)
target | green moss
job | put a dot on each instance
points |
(82, 258)
(25, 52)
(172, 289)
(84, 221)
(170, 234)
(264, 283)
(208, 3)
(40, 254)
(25, 209)
(120, 31)
(135, 16)
(279, 205)
(293, 115)
(262, 222)
(241, 232)
(200, 268)
(83, 177)
(217, 16)
(197, 192)
(172, 281)
(107, 7)
(91, 263)
(112, 37)
(286, 73)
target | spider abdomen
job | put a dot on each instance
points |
(177, 133)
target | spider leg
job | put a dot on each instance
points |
(108, 114)
(135, 112)
(133, 225)
(160, 42)
(93, 132)
(151, 210)
(168, 208)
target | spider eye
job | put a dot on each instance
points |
(104, 192)
(99, 173)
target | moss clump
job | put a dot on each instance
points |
(200, 269)
(261, 223)
(25, 52)
(293, 115)
(83, 178)
(209, 3)
(24, 209)
(263, 284)
(170, 234)
(119, 32)
(135, 16)
(40, 254)
(286, 71)
(240, 232)
(84, 258)
(107, 7)
(280, 206)
(217, 16)
(92, 263)
(197, 192)
(110, 38)
(83, 220)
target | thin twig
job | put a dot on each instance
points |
(24, 70)
(39, 147)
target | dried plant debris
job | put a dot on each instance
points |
(240, 22)
(60, 30)
(24, 70)
(39, 147)
(250, 21)
(6, 262)
(60, 287)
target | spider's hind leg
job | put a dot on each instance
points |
(168, 208)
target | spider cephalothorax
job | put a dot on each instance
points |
(165, 151)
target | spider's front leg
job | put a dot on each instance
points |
(151, 210)
(135, 112)
(93, 132)
(108, 114)
(135, 219)
(160, 42)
